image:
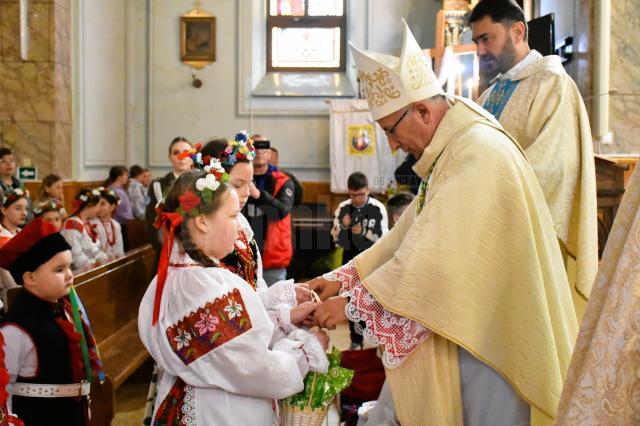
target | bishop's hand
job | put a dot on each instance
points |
(324, 288)
(331, 312)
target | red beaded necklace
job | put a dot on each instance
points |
(111, 238)
(90, 228)
(246, 257)
(243, 250)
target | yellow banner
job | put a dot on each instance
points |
(361, 139)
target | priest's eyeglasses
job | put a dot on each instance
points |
(392, 130)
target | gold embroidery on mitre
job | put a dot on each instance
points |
(418, 73)
(378, 87)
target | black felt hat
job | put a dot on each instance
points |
(38, 242)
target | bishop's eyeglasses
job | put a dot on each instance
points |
(392, 130)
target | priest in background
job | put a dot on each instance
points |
(467, 294)
(537, 102)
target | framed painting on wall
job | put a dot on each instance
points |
(197, 39)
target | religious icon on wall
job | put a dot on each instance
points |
(197, 40)
(361, 139)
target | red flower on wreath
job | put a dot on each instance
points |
(217, 174)
(189, 201)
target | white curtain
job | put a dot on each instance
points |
(359, 145)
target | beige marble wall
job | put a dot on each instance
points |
(35, 95)
(581, 67)
(624, 108)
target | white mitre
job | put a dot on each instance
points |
(392, 83)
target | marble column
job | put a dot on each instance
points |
(624, 69)
(581, 67)
(35, 95)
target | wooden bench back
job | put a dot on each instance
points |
(111, 293)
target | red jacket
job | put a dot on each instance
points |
(278, 248)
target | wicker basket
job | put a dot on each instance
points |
(307, 416)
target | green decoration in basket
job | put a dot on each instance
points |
(321, 389)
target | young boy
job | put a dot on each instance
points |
(358, 223)
(396, 206)
(8, 180)
(49, 350)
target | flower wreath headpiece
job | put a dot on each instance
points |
(240, 148)
(84, 197)
(205, 186)
(108, 192)
(14, 195)
(49, 206)
(190, 203)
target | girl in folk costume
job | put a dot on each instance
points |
(50, 211)
(287, 303)
(52, 188)
(50, 355)
(80, 233)
(107, 228)
(236, 157)
(224, 361)
(14, 213)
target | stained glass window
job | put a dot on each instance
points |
(305, 47)
(286, 8)
(306, 35)
(326, 8)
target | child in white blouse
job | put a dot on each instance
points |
(108, 229)
(224, 360)
(13, 212)
(80, 233)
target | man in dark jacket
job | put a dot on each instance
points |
(269, 213)
(298, 189)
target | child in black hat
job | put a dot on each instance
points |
(50, 356)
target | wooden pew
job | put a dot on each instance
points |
(70, 188)
(136, 233)
(311, 238)
(610, 189)
(111, 293)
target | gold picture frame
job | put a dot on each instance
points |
(197, 40)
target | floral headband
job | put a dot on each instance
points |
(14, 195)
(49, 206)
(241, 148)
(108, 192)
(205, 186)
(84, 197)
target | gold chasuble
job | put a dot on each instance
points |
(542, 109)
(603, 383)
(481, 267)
